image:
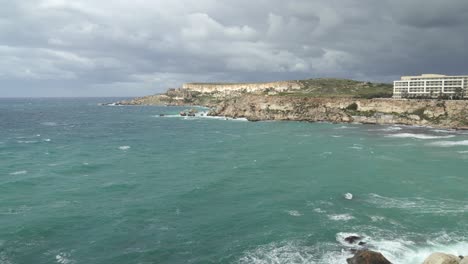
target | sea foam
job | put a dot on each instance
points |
(340, 217)
(449, 143)
(19, 172)
(418, 205)
(417, 136)
(124, 147)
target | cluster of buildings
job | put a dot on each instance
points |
(431, 86)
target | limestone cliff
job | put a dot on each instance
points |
(227, 88)
(332, 100)
(447, 114)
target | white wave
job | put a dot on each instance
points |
(396, 247)
(27, 141)
(406, 251)
(47, 140)
(443, 130)
(356, 147)
(418, 205)
(124, 147)
(319, 210)
(450, 143)
(340, 217)
(345, 127)
(294, 213)
(63, 258)
(417, 136)
(19, 172)
(348, 196)
(390, 128)
(204, 116)
(337, 136)
(48, 123)
(463, 152)
(290, 252)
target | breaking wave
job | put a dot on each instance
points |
(449, 143)
(19, 172)
(398, 248)
(340, 217)
(418, 205)
(417, 136)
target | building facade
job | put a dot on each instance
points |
(430, 85)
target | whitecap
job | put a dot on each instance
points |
(337, 136)
(417, 136)
(340, 217)
(47, 140)
(48, 123)
(463, 152)
(449, 143)
(389, 129)
(280, 253)
(63, 258)
(345, 127)
(319, 210)
(357, 147)
(348, 196)
(27, 141)
(124, 147)
(19, 172)
(419, 205)
(294, 213)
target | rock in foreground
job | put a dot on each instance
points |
(368, 257)
(442, 258)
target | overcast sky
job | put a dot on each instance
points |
(130, 48)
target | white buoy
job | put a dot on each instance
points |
(348, 196)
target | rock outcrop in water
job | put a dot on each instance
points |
(442, 258)
(446, 114)
(329, 100)
(368, 257)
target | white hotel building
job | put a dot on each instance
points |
(429, 85)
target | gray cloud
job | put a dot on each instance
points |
(120, 48)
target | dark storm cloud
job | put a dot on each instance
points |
(84, 47)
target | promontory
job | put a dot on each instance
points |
(325, 99)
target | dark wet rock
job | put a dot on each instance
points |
(352, 239)
(362, 243)
(368, 257)
(161, 114)
(183, 113)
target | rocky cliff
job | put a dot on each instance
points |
(242, 87)
(314, 100)
(446, 114)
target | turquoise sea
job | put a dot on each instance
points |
(84, 183)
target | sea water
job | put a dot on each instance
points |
(85, 183)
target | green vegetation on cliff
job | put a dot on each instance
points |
(329, 87)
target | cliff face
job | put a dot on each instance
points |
(447, 114)
(332, 100)
(242, 87)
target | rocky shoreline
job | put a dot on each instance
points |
(373, 257)
(366, 256)
(446, 114)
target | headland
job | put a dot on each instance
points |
(314, 100)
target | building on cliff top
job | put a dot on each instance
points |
(431, 86)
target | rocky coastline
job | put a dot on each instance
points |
(363, 255)
(271, 105)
